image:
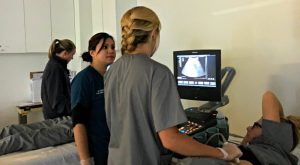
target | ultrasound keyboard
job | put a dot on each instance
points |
(197, 121)
(190, 127)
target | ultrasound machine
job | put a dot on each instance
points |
(199, 76)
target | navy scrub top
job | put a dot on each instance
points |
(87, 97)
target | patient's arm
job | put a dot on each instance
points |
(271, 107)
(271, 110)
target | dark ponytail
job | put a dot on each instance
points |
(86, 57)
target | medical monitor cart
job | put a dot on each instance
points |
(205, 120)
(199, 77)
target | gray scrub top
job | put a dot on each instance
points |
(141, 99)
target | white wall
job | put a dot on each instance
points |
(15, 68)
(259, 38)
(15, 83)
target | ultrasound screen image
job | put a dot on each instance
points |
(196, 70)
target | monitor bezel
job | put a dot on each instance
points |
(200, 93)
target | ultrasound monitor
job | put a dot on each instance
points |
(198, 74)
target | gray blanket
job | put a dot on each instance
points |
(37, 135)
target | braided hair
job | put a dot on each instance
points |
(136, 26)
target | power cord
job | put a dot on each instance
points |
(236, 160)
(216, 134)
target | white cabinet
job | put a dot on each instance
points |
(12, 32)
(63, 19)
(109, 17)
(112, 11)
(121, 7)
(37, 25)
(31, 25)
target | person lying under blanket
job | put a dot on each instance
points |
(271, 139)
(25, 137)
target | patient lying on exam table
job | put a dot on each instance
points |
(272, 138)
(25, 137)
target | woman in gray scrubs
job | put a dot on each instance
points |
(142, 103)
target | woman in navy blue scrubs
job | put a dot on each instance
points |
(87, 101)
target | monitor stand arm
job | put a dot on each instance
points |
(227, 75)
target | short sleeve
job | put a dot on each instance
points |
(167, 110)
(283, 134)
(80, 92)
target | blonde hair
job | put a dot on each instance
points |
(136, 26)
(57, 46)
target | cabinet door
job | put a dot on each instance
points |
(37, 25)
(63, 19)
(12, 33)
(112, 13)
(109, 17)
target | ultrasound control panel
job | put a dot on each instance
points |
(197, 121)
(205, 121)
(190, 128)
